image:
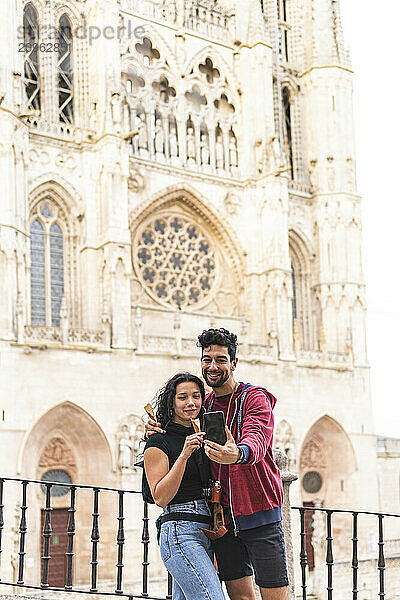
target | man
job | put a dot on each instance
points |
(251, 484)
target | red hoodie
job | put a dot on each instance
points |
(256, 486)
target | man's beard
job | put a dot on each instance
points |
(218, 383)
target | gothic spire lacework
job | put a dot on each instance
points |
(175, 261)
(65, 88)
(31, 63)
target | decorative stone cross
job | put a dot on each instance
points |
(195, 97)
(162, 86)
(209, 70)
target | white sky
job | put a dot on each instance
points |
(373, 35)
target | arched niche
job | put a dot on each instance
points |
(67, 439)
(327, 464)
(82, 435)
(328, 452)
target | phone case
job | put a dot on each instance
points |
(214, 426)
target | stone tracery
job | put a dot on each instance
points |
(175, 260)
(197, 116)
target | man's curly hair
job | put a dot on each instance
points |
(219, 337)
(164, 400)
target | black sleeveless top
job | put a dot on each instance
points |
(197, 472)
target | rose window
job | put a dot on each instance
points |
(175, 261)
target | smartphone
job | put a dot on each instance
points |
(214, 426)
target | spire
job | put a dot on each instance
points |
(256, 28)
(324, 28)
(342, 51)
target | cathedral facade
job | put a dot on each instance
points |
(168, 167)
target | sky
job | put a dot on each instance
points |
(373, 37)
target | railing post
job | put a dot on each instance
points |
(354, 561)
(287, 479)
(303, 554)
(169, 592)
(95, 537)
(22, 534)
(46, 537)
(381, 560)
(145, 542)
(70, 533)
(329, 552)
(1, 515)
(120, 541)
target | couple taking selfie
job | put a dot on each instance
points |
(209, 464)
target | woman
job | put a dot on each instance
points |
(177, 470)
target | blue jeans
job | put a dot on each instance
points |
(187, 554)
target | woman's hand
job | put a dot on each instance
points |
(192, 443)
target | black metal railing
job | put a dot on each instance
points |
(114, 519)
(46, 535)
(329, 560)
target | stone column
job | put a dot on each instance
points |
(107, 325)
(287, 479)
(20, 318)
(64, 324)
(178, 332)
(139, 329)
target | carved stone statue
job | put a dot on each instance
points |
(142, 132)
(232, 203)
(93, 116)
(259, 150)
(173, 141)
(350, 176)
(204, 149)
(125, 447)
(219, 152)
(56, 453)
(159, 137)
(276, 157)
(330, 173)
(233, 153)
(116, 111)
(313, 175)
(190, 145)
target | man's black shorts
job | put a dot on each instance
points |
(261, 549)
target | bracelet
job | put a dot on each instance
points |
(241, 456)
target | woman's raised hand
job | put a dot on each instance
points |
(192, 443)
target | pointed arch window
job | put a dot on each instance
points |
(65, 87)
(287, 129)
(47, 267)
(31, 60)
(303, 307)
(294, 301)
(281, 9)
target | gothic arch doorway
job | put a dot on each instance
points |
(327, 463)
(67, 445)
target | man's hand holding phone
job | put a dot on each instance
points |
(224, 455)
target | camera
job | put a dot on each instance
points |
(207, 491)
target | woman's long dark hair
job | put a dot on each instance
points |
(164, 400)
